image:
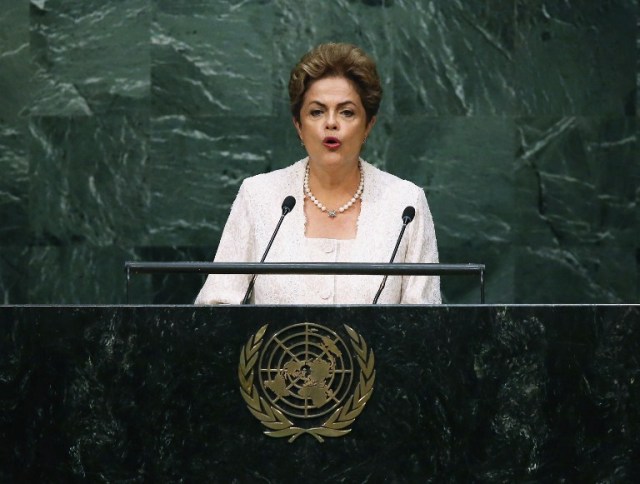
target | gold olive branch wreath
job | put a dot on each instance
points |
(275, 420)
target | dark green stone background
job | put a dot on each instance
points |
(127, 126)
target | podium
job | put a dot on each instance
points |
(460, 393)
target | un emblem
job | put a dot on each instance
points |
(306, 372)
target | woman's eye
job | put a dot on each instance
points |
(315, 112)
(348, 113)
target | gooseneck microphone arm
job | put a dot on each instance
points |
(407, 216)
(287, 205)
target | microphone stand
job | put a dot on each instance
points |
(407, 217)
(287, 206)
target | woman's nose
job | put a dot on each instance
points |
(331, 121)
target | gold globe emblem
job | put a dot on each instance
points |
(306, 372)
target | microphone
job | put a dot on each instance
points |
(407, 216)
(287, 205)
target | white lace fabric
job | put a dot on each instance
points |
(256, 211)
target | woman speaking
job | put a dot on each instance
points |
(347, 210)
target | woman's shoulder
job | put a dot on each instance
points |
(276, 180)
(385, 183)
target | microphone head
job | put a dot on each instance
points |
(408, 214)
(287, 204)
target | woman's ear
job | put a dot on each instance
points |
(298, 127)
(370, 126)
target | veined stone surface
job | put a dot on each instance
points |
(493, 393)
(127, 127)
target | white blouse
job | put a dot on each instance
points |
(256, 211)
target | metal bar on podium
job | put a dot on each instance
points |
(339, 268)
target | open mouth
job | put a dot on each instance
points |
(331, 142)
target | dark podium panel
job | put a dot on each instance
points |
(461, 393)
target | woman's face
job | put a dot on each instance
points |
(333, 122)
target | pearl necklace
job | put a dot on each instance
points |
(345, 207)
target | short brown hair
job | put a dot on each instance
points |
(339, 60)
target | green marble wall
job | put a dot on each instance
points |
(127, 126)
